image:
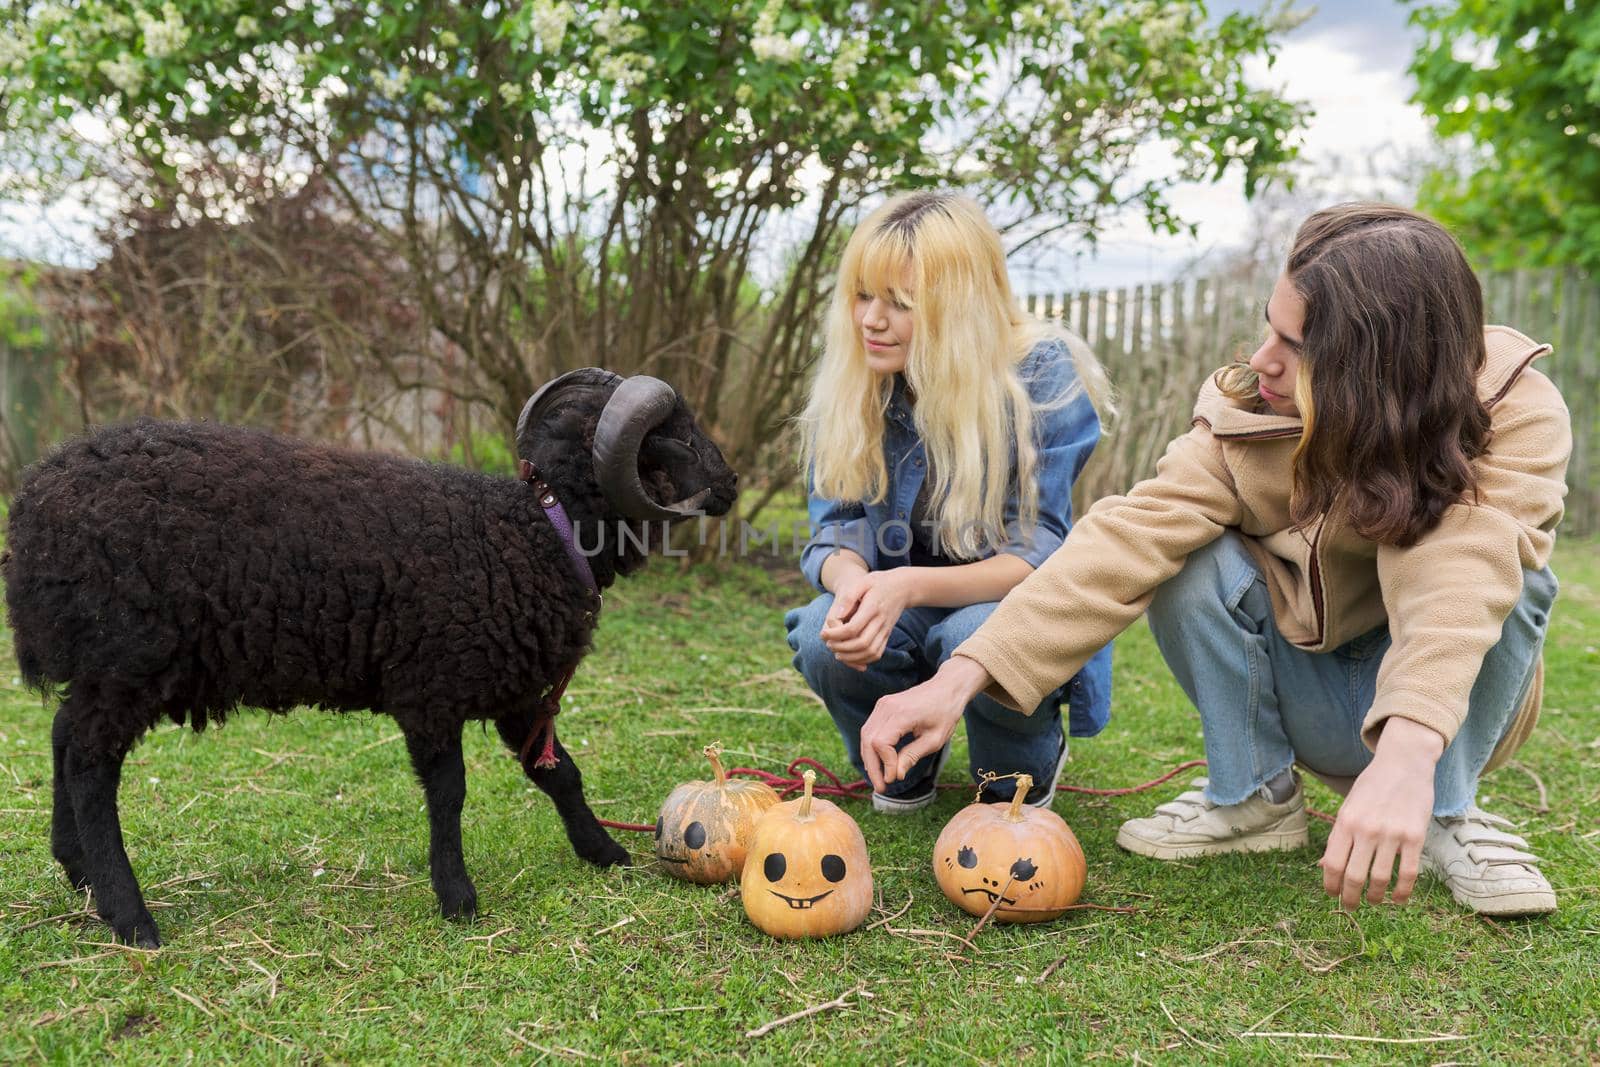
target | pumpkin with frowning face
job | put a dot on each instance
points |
(705, 827)
(807, 874)
(1025, 858)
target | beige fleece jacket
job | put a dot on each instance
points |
(1445, 598)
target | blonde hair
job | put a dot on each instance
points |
(937, 253)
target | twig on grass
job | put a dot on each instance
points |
(1044, 976)
(1363, 1038)
(1544, 796)
(558, 1050)
(380, 741)
(488, 939)
(1185, 1033)
(838, 1003)
(63, 963)
(886, 920)
(82, 913)
(982, 922)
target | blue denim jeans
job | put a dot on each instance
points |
(1265, 703)
(998, 739)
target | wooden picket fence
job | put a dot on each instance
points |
(1158, 342)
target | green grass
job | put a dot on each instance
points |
(286, 861)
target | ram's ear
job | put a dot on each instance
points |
(592, 386)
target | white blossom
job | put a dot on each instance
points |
(615, 30)
(848, 59)
(12, 52)
(885, 116)
(1160, 31)
(391, 86)
(550, 24)
(246, 27)
(767, 22)
(124, 72)
(166, 36)
(776, 47)
(627, 70)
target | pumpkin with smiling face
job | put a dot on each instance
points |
(705, 827)
(1025, 858)
(807, 874)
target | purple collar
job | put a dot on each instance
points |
(558, 518)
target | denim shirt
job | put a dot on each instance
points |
(881, 533)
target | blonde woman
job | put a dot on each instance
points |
(944, 431)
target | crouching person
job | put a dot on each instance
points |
(1345, 564)
(944, 431)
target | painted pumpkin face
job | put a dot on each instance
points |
(705, 827)
(1025, 858)
(807, 873)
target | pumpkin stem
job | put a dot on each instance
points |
(713, 753)
(1024, 783)
(804, 811)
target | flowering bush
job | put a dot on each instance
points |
(658, 184)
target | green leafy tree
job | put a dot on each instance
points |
(660, 185)
(1521, 80)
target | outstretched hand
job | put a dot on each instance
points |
(1385, 818)
(923, 716)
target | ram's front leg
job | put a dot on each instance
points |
(565, 786)
(443, 775)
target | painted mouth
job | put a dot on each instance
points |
(800, 903)
(991, 895)
(672, 859)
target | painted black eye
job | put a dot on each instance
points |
(967, 858)
(694, 835)
(833, 867)
(1023, 870)
(774, 867)
(658, 829)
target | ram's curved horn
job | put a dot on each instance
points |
(639, 405)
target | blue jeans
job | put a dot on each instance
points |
(998, 739)
(1265, 703)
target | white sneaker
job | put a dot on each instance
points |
(905, 804)
(1486, 867)
(1192, 826)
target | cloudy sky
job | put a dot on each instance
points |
(1347, 60)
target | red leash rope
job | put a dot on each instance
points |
(790, 782)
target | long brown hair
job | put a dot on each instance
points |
(1392, 350)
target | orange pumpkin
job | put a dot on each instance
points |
(1026, 858)
(705, 827)
(807, 873)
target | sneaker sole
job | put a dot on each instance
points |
(1503, 905)
(895, 806)
(1281, 841)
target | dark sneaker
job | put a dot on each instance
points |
(1042, 794)
(916, 799)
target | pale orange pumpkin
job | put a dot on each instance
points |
(1026, 858)
(705, 827)
(807, 873)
